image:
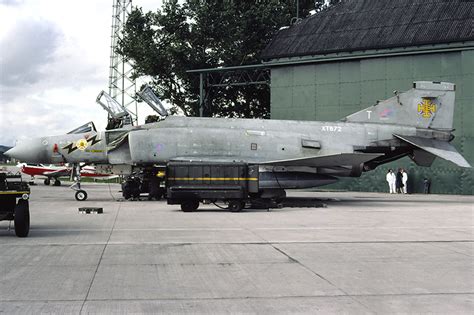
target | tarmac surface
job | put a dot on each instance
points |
(363, 253)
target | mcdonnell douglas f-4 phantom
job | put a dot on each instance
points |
(290, 154)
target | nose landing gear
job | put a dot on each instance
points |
(80, 195)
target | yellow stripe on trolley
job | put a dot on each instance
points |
(213, 178)
(13, 192)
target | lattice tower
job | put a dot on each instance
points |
(122, 87)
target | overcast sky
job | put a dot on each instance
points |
(54, 61)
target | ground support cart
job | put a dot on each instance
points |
(148, 181)
(189, 183)
(12, 188)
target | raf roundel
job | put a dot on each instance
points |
(81, 144)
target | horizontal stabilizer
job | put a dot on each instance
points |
(442, 149)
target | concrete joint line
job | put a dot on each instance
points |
(320, 276)
(100, 259)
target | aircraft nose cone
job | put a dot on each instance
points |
(12, 153)
(30, 151)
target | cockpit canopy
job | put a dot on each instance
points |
(84, 128)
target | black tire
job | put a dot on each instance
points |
(81, 195)
(154, 190)
(57, 182)
(236, 205)
(136, 195)
(190, 205)
(126, 193)
(135, 188)
(47, 181)
(22, 218)
(161, 194)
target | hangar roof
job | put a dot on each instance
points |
(355, 25)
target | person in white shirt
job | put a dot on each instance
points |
(404, 180)
(391, 181)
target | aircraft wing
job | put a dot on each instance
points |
(442, 149)
(340, 159)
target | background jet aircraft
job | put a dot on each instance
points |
(291, 154)
(53, 172)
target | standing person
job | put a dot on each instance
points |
(390, 177)
(404, 180)
(426, 185)
(399, 181)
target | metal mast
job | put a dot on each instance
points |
(121, 86)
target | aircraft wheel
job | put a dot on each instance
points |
(22, 218)
(161, 194)
(126, 192)
(81, 195)
(236, 205)
(190, 205)
(156, 193)
(57, 182)
(136, 194)
(47, 181)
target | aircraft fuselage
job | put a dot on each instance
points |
(417, 123)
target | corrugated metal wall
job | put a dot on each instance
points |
(332, 90)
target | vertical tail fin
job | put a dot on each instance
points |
(426, 105)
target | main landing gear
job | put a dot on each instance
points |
(57, 182)
(147, 181)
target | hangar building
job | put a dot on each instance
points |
(347, 57)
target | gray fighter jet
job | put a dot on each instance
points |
(290, 154)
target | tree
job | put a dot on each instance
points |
(200, 34)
